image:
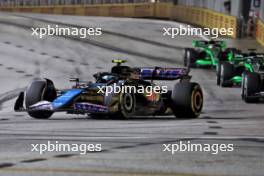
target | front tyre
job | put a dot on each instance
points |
(127, 105)
(185, 55)
(218, 73)
(187, 100)
(189, 57)
(39, 90)
(243, 85)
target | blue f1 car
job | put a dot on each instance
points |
(143, 98)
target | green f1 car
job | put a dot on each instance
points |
(207, 54)
(252, 86)
(230, 73)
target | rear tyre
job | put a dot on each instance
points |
(187, 100)
(226, 73)
(250, 87)
(39, 90)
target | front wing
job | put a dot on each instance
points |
(76, 107)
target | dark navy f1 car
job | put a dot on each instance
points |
(41, 99)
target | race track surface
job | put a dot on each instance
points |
(130, 147)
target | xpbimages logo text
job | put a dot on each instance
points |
(140, 89)
(183, 30)
(56, 30)
(188, 146)
(56, 146)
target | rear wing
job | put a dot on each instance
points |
(159, 73)
(202, 43)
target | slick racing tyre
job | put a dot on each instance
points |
(127, 105)
(185, 56)
(218, 73)
(250, 87)
(189, 57)
(187, 100)
(226, 73)
(39, 90)
(243, 85)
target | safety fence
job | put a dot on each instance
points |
(14, 3)
(189, 14)
(204, 17)
(115, 10)
(260, 32)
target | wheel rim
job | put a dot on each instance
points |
(197, 101)
(128, 102)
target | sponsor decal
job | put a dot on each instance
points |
(89, 107)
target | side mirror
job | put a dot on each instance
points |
(76, 80)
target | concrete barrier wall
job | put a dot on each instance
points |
(189, 14)
(115, 10)
(204, 17)
(260, 32)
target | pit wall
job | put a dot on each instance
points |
(189, 14)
